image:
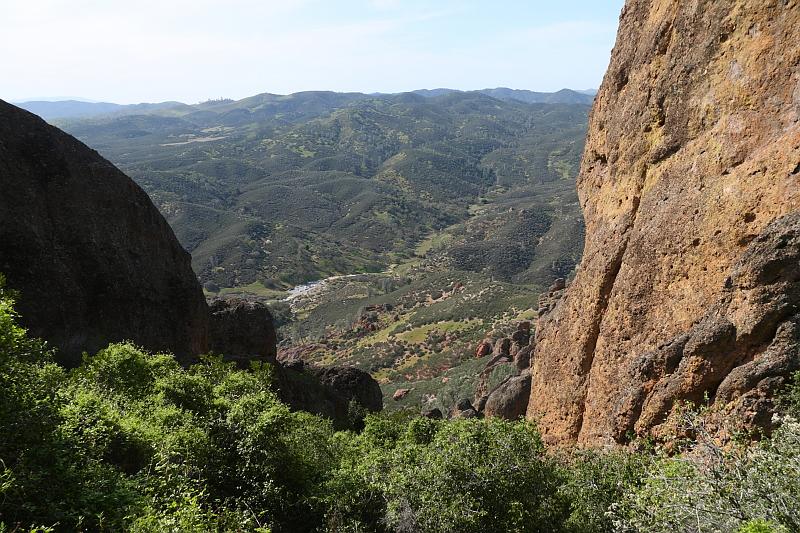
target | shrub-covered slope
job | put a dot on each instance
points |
(132, 441)
(272, 191)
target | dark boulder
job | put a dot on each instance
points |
(502, 347)
(509, 400)
(92, 258)
(522, 359)
(330, 392)
(242, 330)
(464, 409)
(351, 383)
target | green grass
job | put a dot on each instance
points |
(419, 334)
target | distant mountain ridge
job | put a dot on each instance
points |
(69, 109)
(83, 109)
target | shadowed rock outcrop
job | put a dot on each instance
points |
(693, 152)
(242, 331)
(504, 385)
(329, 392)
(92, 258)
(509, 399)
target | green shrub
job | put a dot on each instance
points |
(710, 489)
(426, 475)
(595, 481)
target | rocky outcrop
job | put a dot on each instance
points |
(331, 392)
(464, 409)
(509, 399)
(691, 163)
(504, 385)
(242, 330)
(739, 352)
(92, 258)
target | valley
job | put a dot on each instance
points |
(436, 311)
(392, 233)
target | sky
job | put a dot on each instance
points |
(129, 51)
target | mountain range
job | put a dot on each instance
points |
(62, 108)
(273, 191)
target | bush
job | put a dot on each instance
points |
(438, 476)
(708, 488)
(133, 441)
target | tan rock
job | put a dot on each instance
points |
(693, 149)
(399, 394)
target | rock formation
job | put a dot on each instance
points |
(242, 331)
(509, 399)
(92, 258)
(688, 283)
(504, 385)
(329, 391)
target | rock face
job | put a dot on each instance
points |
(329, 391)
(242, 330)
(509, 399)
(688, 283)
(93, 259)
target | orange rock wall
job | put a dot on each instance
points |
(693, 149)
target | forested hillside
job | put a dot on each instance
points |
(272, 191)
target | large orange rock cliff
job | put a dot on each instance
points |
(690, 186)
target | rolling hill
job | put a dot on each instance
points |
(400, 199)
(279, 190)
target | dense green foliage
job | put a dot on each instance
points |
(753, 488)
(132, 441)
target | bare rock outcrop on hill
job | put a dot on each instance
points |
(504, 385)
(92, 258)
(691, 166)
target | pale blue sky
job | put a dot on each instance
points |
(192, 50)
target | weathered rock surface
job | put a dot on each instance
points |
(328, 391)
(92, 258)
(242, 331)
(509, 399)
(693, 151)
(522, 359)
